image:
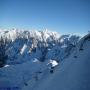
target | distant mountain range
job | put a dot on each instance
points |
(31, 55)
(25, 45)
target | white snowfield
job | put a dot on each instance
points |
(72, 74)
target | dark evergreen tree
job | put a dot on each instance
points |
(3, 55)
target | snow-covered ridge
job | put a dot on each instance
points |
(72, 73)
(35, 75)
(25, 45)
(15, 33)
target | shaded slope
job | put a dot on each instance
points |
(72, 74)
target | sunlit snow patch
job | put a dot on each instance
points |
(35, 60)
(6, 65)
(24, 47)
(53, 63)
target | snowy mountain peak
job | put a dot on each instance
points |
(15, 33)
(24, 45)
(39, 60)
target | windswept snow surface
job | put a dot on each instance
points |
(17, 75)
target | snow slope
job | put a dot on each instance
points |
(73, 72)
(29, 52)
(17, 75)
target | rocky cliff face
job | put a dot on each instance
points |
(22, 45)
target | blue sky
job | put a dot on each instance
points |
(64, 16)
